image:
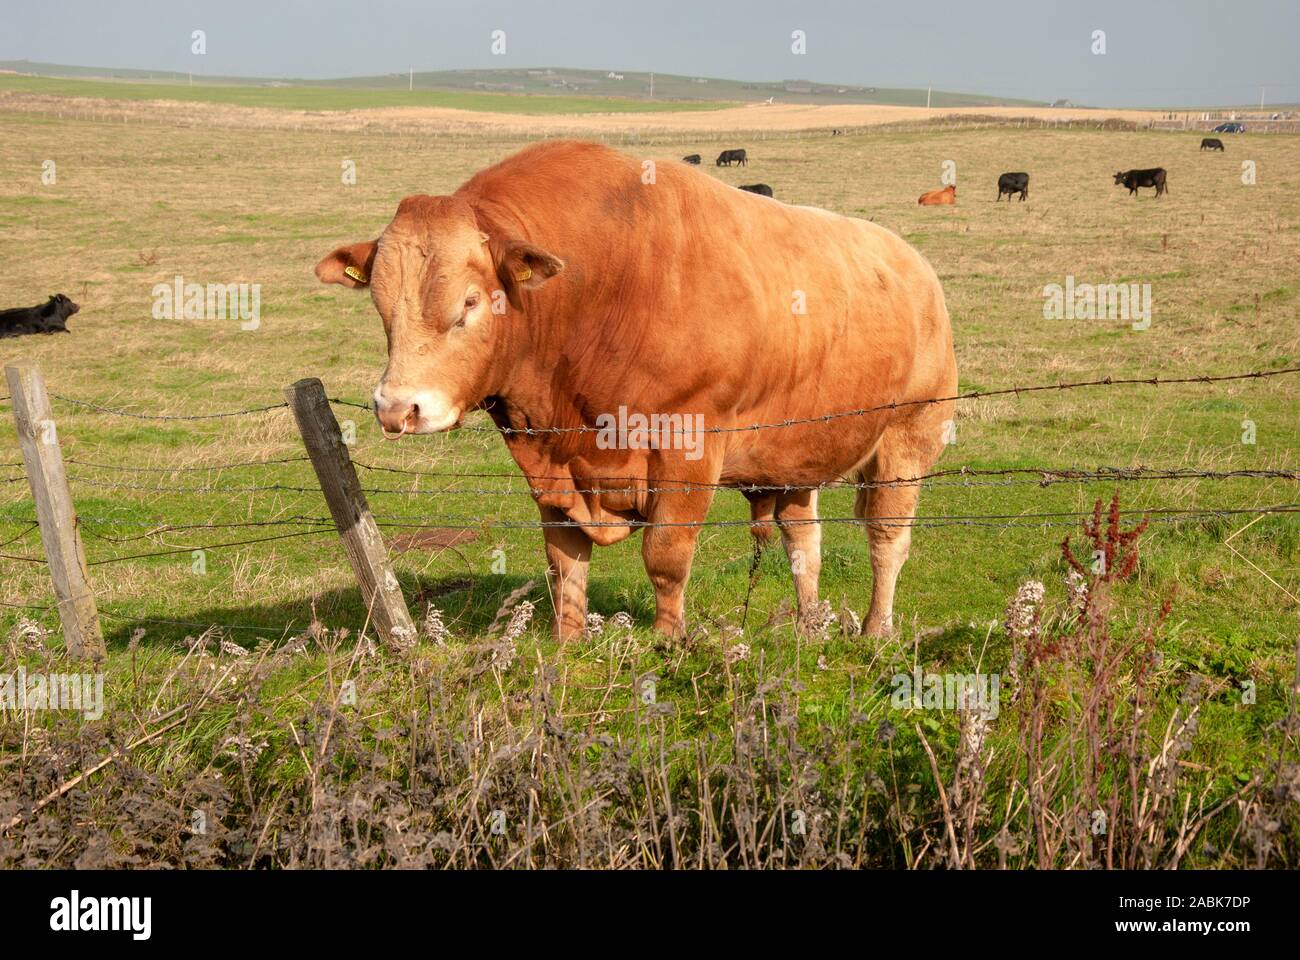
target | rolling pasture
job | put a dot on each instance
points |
(309, 97)
(140, 204)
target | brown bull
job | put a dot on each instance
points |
(641, 324)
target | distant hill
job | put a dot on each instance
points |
(556, 81)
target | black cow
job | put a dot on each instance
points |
(49, 317)
(693, 158)
(760, 188)
(727, 157)
(1211, 143)
(1010, 183)
(1155, 177)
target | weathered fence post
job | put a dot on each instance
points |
(361, 538)
(39, 439)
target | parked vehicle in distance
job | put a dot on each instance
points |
(1229, 128)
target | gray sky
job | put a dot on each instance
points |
(1158, 52)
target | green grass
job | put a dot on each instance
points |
(263, 206)
(340, 98)
(524, 80)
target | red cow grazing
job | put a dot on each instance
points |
(938, 198)
(558, 290)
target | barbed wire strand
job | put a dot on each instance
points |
(206, 547)
(121, 412)
(199, 468)
(1055, 518)
(163, 528)
(113, 615)
(1047, 477)
(893, 405)
(461, 523)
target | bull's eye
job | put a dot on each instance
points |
(471, 302)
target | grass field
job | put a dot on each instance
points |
(137, 206)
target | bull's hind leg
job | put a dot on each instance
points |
(803, 545)
(906, 450)
(568, 556)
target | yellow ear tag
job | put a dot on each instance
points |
(524, 274)
(356, 274)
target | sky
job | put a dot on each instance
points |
(1157, 52)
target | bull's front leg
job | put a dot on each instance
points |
(568, 555)
(668, 552)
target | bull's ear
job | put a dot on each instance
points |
(349, 266)
(522, 266)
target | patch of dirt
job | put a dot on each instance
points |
(430, 540)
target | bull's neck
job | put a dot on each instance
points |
(527, 354)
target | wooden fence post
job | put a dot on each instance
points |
(39, 439)
(361, 538)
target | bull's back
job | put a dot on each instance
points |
(818, 293)
(818, 314)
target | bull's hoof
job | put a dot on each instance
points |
(674, 629)
(876, 629)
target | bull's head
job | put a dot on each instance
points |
(1119, 179)
(444, 289)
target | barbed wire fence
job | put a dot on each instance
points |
(43, 467)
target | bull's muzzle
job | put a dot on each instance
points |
(423, 411)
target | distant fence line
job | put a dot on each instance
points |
(1252, 125)
(44, 468)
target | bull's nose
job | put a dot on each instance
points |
(398, 417)
(401, 410)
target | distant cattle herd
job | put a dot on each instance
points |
(1009, 184)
